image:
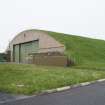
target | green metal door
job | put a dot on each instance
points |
(16, 53)
(27, 48)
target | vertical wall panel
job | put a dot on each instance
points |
(16, 53)
(27, 48)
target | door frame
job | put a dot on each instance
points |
(20, 49)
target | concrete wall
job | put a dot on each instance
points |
(46, 42)
(54, 60)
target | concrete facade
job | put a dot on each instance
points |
(46, 42)
(52, 59)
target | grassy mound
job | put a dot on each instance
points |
(86, 52)
(88, 55)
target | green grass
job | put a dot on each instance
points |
(35, 79)
(85, 52)
(88, 55)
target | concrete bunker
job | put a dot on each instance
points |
(37, 47)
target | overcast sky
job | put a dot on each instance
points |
(79, 17)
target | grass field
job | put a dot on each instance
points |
(31, 79)
(88, 55)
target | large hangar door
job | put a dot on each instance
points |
(27, 48)
(16, 53)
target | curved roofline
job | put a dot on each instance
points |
(27, 31)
